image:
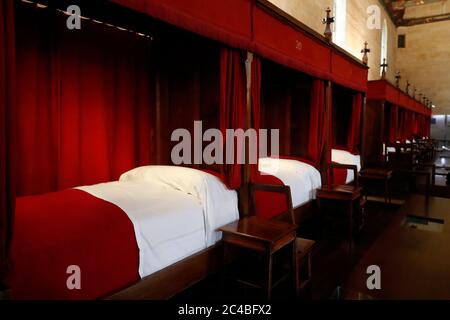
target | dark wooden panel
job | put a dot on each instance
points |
(176, 278)
(373, 131)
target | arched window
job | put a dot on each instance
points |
(384, 43)
(340, 13)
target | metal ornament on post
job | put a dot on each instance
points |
(397, 78)
(328, 21)
(384, 65)
(365, 51)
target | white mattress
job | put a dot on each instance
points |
(345, 157)
(302, 178)
(170, 224)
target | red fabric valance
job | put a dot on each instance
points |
(248, 25)
(7, 130)
(383, 90)
(280, 42)
(226, 21)
(348, 73)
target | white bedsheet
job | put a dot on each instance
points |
(302, 178)
(389, 149)
(170, 224)
(345, 157)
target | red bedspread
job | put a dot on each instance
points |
(71, 227)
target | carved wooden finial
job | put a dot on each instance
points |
(328, 21)
(407, 87)
(384, 65)
(414, 92)
(366, 50)
(397, 78)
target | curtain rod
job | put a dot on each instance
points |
(43, 6)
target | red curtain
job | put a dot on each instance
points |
(7, 122)
(85, 108)
(424, 126)
(414, 124)
(317, 122)
(232, 106)
(409, 125)
(354, 131)
(403, 125)
(393, 124)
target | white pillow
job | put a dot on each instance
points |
(220, 204)
(345, 157)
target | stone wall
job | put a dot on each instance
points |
(425, 61)
(311, 13)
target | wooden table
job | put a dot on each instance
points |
(346, 194)
(414, 263)
(263, 236)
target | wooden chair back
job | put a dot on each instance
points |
(280, 189)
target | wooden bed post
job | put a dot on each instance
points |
(382, 130)
(328, 143)
(158, 116)
(244, 192)
(361, 134)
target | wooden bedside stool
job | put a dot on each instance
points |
(349, 195)
(304, 270)
(380, 174)
(266, 237)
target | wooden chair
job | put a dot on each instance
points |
(355, 184)
(304, 247)
(406, 160)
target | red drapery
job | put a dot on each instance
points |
(409, 126)
(423, 126)
(232, 106)
(7, 121)
(317, 121)
(403, 125)
(354, 131)
(345, 122)
(393, 124)
(85, 111)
